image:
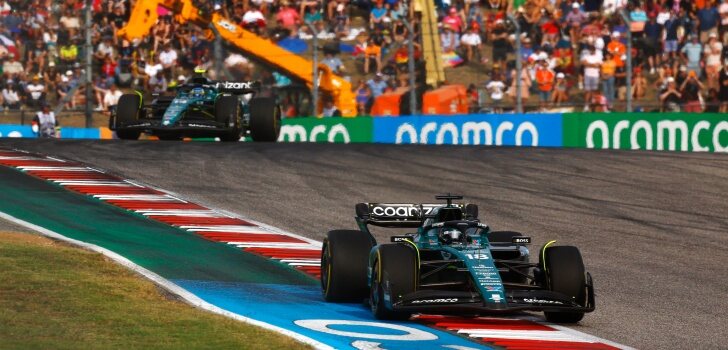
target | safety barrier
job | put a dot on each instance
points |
(12, 130)
(626, 131)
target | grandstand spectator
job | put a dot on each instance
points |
(472, 43)
(253, 19)
(372, 56)
(608, 77)
(168, 59)
(104, 49)
(592, 62)
(449, 40)
(342, 23)
(36, 57)
(11, 97)
(545, 80)
(708, 20)
(111, 97)
(288, 18)
(36, 92)
(12, 66)
(526, 83)
(670, 97)
(5, 8)
(363, 96)
(311, 14)
(691, 54)
(377, 85)
(639, 84)
(574, 20)
(68, 54)
(158, 83)
(378, 16)
(329, 109)
(690, 91)
(560, 94)
(333, 62)
(453, 20)
(496, 87)
(713, 51)
(501, 45)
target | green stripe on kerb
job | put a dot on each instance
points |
(170, 252)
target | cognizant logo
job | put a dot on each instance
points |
(668, 133)
(298, 133)
(469, 133)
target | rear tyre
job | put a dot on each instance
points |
(564, 273)
(344, 259)
(507, 237)
(127, 112)
(265, 119)
(227, 111)
(396, 270)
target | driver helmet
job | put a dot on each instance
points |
(198, 92)
(449, 235)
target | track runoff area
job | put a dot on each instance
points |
(294, 310)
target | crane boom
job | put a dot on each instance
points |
(144, 16)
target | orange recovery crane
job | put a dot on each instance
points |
(144, 16)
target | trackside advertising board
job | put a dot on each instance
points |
(475, 129)
(334, 130)
(625, 131)
(647, 131)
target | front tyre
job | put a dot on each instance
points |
(127, 112)
(394, 273)
(344, 259)
(565, 273)
(265, 119)
(227, 112)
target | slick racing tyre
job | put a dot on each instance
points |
(227, 111)
(395, 271)
(127, 112)
(507, 237)
(344, 259)
(564, 273)
(265, 119)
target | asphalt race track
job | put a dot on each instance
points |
(652, 226)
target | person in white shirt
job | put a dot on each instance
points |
(472, 42)
(37, 92)
(111, 97)
(168, 59)
(592, 62)
(253, 19)
(45, 123)
(11, 98)
(496, 87)
(713, 50)
(105, 48)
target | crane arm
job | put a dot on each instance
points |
(144, 16)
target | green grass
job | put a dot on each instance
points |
(56, 296)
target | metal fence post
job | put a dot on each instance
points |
(628, 22)
(89, 76)
(315, 88)
(411, 67)
(519, 68)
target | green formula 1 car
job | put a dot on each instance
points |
(452, 264)
(200, 108)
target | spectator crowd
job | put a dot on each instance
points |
(573, 52)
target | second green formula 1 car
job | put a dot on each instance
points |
(200, 108)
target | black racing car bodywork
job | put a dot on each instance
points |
(452, 264)
(199, 108)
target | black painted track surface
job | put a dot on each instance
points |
(652, 227)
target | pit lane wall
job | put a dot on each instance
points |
(624, 131)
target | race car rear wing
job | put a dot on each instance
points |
(400, 215)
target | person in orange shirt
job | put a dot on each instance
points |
(608, 70)
(617, 49)
(372, 54)
(545, 80)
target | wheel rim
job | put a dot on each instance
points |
(374, 294)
